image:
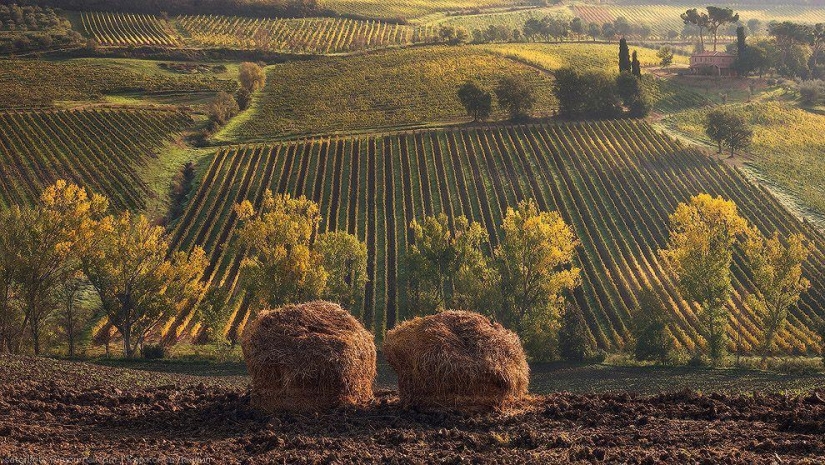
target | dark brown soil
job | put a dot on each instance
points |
(49, 413)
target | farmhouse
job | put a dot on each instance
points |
(712, 63)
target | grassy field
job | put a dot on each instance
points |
(39, 83)
(615, 182)
(386, 89)
(788, 148)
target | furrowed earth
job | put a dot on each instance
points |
(52, 410)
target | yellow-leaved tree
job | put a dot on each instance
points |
(43, 247)
(777, 275)
(281, 265)
(533, 263)
(702, 234)
(137, 280)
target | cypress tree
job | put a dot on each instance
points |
(741, 51)
(636, 67)
(624, 56)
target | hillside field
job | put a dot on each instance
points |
(788, 148)
(287, 35)
(615, 182)
(383, 89)
(104, 150)
(42, 83)
(415, 86)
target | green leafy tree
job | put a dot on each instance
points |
(533, 263)
(138, 282)
(633, 95)
(453, 35)
(477, 101)
(699, 20)
(594, 31)
(702, 234)
(73, 314)
(516, 95)
(755, 26)
(650, 319)
(446, 265)
(608, 31)
(777, 276)
(589, 94)
(282, 265)
(718, 17)
(635, 66)
(574, 337)
(212, 312)
(665, 55)
(344, 259)
(727, 129)
(622, 26)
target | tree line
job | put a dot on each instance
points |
(252, 8)
(791, 50)
(65, 247)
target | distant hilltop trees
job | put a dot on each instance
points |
(287, 8)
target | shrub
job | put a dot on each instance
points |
(457, 359)
(810, 92)
(574, 341)
(152, 351)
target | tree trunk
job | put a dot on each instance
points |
(70, 333)
(127, 341)
(35, 328)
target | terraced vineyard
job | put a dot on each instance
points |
(306, 35)
(615, 182)
(99, 149)
(124, 29)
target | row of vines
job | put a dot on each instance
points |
(303, 35)
(98, 149)
(614, 182)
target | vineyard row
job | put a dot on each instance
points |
(614, 182)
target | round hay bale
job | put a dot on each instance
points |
(308, 357)
(457, 360)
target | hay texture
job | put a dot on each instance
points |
(457, 360)
(308, 357)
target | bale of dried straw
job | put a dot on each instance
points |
(308, 357)
(457, 360)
